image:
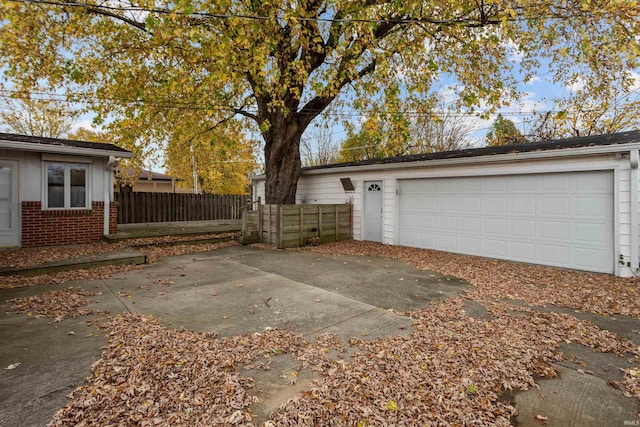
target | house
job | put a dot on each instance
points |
(570, 203)
(145, 182)
(56, 191)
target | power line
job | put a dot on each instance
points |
(172, 104)
(394, 20)
(48, 97)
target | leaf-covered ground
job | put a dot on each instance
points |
(58, 304)
(154, 247)
(451, 370)
(494, 279)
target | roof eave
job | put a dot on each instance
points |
(494, 158)
(59, 149)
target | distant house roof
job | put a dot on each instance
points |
(59, 145)
(557, 144)
(146, 175)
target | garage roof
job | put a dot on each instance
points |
(557, 144)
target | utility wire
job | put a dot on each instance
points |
(395, 20)
(334, 113)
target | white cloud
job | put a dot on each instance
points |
(85, 123)
(533, 80)
(577, 84)
(636, 81)
(514, 52)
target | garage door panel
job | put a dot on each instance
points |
(494, 184)
(559, 219)
(592, 184)
(410, 238)
(448, 223)
(523, 228)
(587, 259)
(469, 244)
(591, 233)
(448, 204)
(523, 251)
(494, 248)
(523, 206)
(555, 183)
(523, 184)
(495, 226)
(470, 185)
(557, 255)
(471, 205)
(448, 242)
(592, 207)
(471, 225)
(494, 205)
(417, 221)
(554, 230)
(554, 206)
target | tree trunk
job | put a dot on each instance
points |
(282, 159)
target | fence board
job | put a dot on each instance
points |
(134, 208)
(286, 226)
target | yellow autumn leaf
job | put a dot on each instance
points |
(392, 406)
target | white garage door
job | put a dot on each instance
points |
(558, 219)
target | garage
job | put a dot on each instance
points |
(557, 219)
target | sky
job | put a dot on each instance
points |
(537, 95)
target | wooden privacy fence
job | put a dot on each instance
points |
(136, 208)
(288, 226)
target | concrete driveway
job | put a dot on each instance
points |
(232, 291)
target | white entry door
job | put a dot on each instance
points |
(558, 219)
(9, 232)
(372, 211)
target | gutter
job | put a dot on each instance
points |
(634, 159)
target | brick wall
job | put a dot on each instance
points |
(63, 227)
(113, 217)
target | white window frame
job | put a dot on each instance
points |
(67, 184)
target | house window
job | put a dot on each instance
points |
(66, 186)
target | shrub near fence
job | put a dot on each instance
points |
(136, 208)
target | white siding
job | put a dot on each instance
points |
(324, 187)
(31, 174)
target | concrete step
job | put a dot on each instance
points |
(80, 262)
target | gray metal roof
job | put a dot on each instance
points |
(557, 144)
(59, 142)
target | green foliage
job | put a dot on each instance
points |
(37, 118)
(503, 132)
(279, 64)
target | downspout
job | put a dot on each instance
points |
(108, 189)
(633, 162)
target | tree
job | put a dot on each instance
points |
(36, 117)
(593, 110)
(318, 148)
(503, 132)
(215, 161)
(280, 63)
(422, 126)
(84, 134)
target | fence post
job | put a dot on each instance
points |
(301, 225)
(269, 225)
(337, 223)
(280, 223)
(260, 221)
(319, 222)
